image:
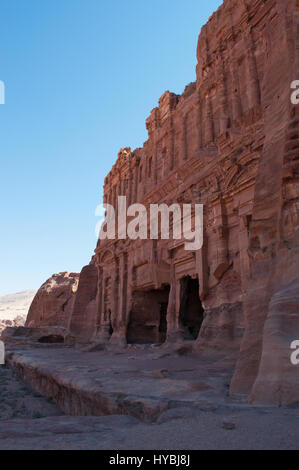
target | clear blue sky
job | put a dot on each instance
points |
(81, 77)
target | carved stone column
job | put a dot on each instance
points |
(254, 92)
(174, 332)
(243, 248)
(103, 335)
(199, 123)
(236, 101)
(184, 137)
(222, 241)
(100, 298)
(155, 169)
(223, 117)
(119, 334)
(114, 295)
(202, 269)
(209, 125)
(172, 144)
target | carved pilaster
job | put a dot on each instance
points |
(155, 163)
(222, 240)
(199, 123)
(100, 298)
(254, 92)
(243, 248)
(236, 100)
(174, 303)
(122, 290)
(184, 137)
(114, 295)
(209, 133)
(223, 118)
(172, 144)
(202, 269)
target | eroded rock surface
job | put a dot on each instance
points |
(53, 303)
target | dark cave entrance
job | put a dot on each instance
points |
(148, 318)
(191, 309)
(51, 339)
(110, 323)
(163, 321)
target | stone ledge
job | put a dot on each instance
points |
(124, 382)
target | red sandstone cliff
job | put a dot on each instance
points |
(231, 142)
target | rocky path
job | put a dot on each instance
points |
(18, 401)
(181, 429)
(191, 396)
(141, 382)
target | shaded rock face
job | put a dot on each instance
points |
(229, 142)
(223, 328)
(278, 380)
(19, 337)
(82, 323)
(271, 304)
(53, 303)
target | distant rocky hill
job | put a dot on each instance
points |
(14, 308)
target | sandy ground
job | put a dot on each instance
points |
(253, 429)
(18, 401)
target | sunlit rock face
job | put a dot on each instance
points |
(53, 303)
(231, 143)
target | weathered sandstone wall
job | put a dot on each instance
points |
(271, 303)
